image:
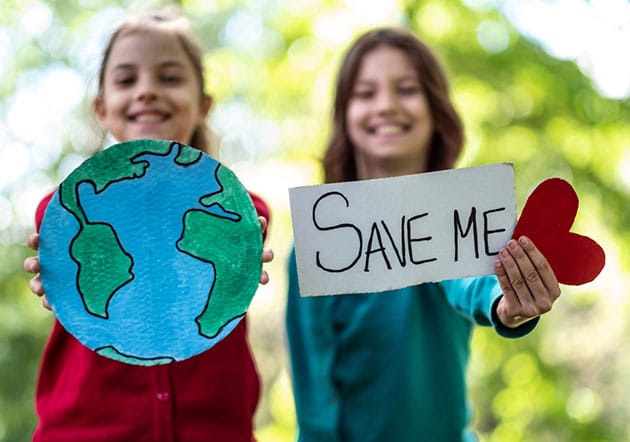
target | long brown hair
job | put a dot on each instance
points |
(169, 21)
(448, 135)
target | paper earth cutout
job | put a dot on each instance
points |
(150, 252)
(546, 219)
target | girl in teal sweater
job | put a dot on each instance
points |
(391, 366)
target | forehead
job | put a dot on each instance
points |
(386, 61)
(148, 47)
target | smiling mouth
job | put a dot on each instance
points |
(389, 129)
(148, 118)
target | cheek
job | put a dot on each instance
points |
(418, 106)
(353, 118)
(426, 119)
(115, 104)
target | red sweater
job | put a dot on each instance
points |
(84, 397)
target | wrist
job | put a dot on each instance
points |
(516, 330)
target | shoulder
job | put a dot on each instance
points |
(262, 208)
(41, 208)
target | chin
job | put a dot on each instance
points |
(151, 136)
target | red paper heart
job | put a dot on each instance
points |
(547, 219)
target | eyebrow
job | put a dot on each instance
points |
(369, 81)
(164, 64)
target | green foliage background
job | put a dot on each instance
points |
(567, 381)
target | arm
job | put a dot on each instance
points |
(524, 288)
(476, 299)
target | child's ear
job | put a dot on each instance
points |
(99, 109)
(206, 105)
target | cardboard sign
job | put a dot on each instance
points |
(376, 235)
(150, 252)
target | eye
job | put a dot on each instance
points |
(409, 89)
(363, 94)
(171, 75)
(171, 78)
(125, 80)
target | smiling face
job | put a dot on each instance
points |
(150, 89)
(388, 116)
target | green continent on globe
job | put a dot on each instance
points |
(103, 266)
(226, 233)
(112, 353)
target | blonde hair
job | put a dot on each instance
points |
(170, 21)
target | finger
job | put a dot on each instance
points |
(267, 255)
(33, 241)
(529, 273)
(514, 275)
(263, 224)
(264, 277)
(36, 286)
(31, 264)
(544, 270)
(505, 284)
(45, 302)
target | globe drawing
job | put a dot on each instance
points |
(150, 252)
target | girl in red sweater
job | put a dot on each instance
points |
(151, 85)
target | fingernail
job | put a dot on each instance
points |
(512, 244)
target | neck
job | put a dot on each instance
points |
(387, 169)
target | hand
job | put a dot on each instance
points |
(529, 285)
(31, 265)
(267, 254)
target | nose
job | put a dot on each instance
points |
(147, 89)
(386, 101)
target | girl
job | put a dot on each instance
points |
(151, 85)
(391, 366)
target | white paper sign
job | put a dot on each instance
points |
(376, 235)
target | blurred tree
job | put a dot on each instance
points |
(270, 66)
(520, 105)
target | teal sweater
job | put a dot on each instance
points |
(389, 366)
